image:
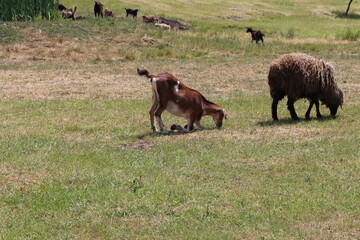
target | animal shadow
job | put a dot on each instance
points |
(339, 14)
(289, 121)
(173, 133)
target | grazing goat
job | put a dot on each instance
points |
(172, 95)
(108, 13)
(61, 7)
(69, 13)
(163, 25)
(299, 75)
(132, 12)
(98, 9)
(256, 35)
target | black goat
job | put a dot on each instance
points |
(132, 12)
(256, 35)
(98, 9)
(61, 7)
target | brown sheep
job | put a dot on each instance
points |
(299, 75)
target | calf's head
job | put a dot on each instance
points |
(218, 117)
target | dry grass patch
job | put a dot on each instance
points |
(332, 228)
(13, 178)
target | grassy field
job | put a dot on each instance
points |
(78, 159)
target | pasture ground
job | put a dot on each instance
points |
(78, 159)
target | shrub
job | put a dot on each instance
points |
(348, 34)
(289, 34)
(28, 10)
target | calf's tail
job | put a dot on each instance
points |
(144, 72)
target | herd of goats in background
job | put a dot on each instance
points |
(165, 23)
(294, 75)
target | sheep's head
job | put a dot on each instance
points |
(336, 101)
(219, 116)
(333, 96)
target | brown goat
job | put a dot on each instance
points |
(172, 95)
(299, 75)
(149, 19)
(108, 13)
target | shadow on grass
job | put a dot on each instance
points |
(288, 121)
(339, 14)
(172, 133)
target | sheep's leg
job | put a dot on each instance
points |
(312, 102)
(291, 108)
(318, 114)
(307, 114)
(274, 109)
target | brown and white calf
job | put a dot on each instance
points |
(173, 96)
(70, 13)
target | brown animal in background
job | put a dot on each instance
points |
(108, 13)
(172, 95)
(299, 75)
(69, 13)
(98, 9)
(149, 19)
(256, 35)
(132, 12)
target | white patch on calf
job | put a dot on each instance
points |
(177, 86)
(174, 109)
(154, 86)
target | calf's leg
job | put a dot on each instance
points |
(152, 112)
(158, 112)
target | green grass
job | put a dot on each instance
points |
(78, 159)
(348, 34)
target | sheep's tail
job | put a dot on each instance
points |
(144, 72)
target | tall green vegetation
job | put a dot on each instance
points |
(27, 10)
